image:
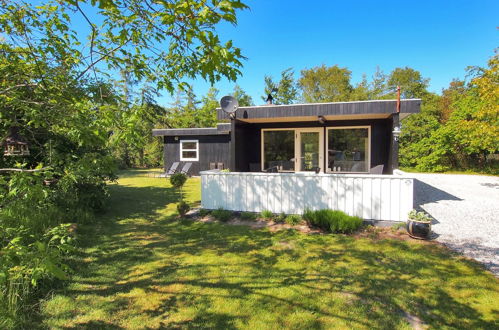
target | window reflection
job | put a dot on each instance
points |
(279, 150)
(348, 149)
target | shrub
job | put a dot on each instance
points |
(281, 217)
(178, 180)
(267, 215)
(222, 215)
(183, 208)
(332, 220)
(203, 212)
(248, 216)
(293, 219)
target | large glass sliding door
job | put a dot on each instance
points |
(309, 150)
(293, 149)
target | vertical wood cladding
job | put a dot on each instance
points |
(212, 149)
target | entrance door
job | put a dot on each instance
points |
(309, 150)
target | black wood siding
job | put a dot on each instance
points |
(212, 149)
(248, 140)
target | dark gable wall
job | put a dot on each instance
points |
(212, 149)
(248, 142)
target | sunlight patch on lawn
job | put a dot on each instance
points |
(147, 269)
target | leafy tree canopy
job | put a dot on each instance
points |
(325, 84)
(242, 97)
(285, 91)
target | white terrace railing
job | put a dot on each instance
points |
(371, 197)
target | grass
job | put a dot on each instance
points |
(141, 267)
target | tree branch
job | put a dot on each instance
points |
(23, 170)
(17, 86)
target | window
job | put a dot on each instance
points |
(279, 149)
(189, 150)
(348, 149)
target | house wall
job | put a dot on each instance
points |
(212, 149)
(248, 140)
(371, 197)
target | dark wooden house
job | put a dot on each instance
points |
(339, 137)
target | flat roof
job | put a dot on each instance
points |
(354, 109)
(221, 129)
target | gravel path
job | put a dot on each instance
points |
(466, 213)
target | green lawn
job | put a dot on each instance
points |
(142, 268)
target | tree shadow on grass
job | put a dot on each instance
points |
(186, 263)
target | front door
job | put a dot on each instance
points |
(309, 150)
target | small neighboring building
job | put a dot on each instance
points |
(205, 148)
(337, 137)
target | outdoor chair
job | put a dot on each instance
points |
(220, 166)
(376, 169)
(273, 169)
(185, 169)
(213, 166)
(171, 171)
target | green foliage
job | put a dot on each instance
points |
(183, 208)
(419, 216)
(280, 218)
(33, 240)
(77, 119)
(248, 216)
(222, 215)
(411, 82)
(267, 215)
(326, 84)
(293, 219)
(204, 212)
(178, 180)
(458, 130)
(285, 91)
(242, 97)
(333, 221)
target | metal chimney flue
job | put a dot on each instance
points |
(270, 99)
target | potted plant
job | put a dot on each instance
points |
(418, 224)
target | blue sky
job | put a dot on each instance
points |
(438, 38)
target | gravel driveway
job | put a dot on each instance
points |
(466, 213)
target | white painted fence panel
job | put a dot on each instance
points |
(376, 197)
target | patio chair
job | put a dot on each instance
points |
(220, 166)
(185, 169)
(376, 169)
(273, 169)
(213, 166)
(171, 171)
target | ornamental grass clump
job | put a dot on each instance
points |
(333, 221)
(267, 215)
(293, 219)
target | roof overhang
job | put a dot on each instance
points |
(331, 111)
(221, 129)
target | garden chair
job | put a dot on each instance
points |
(185, 169)
(376, 169)
(171, 171)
